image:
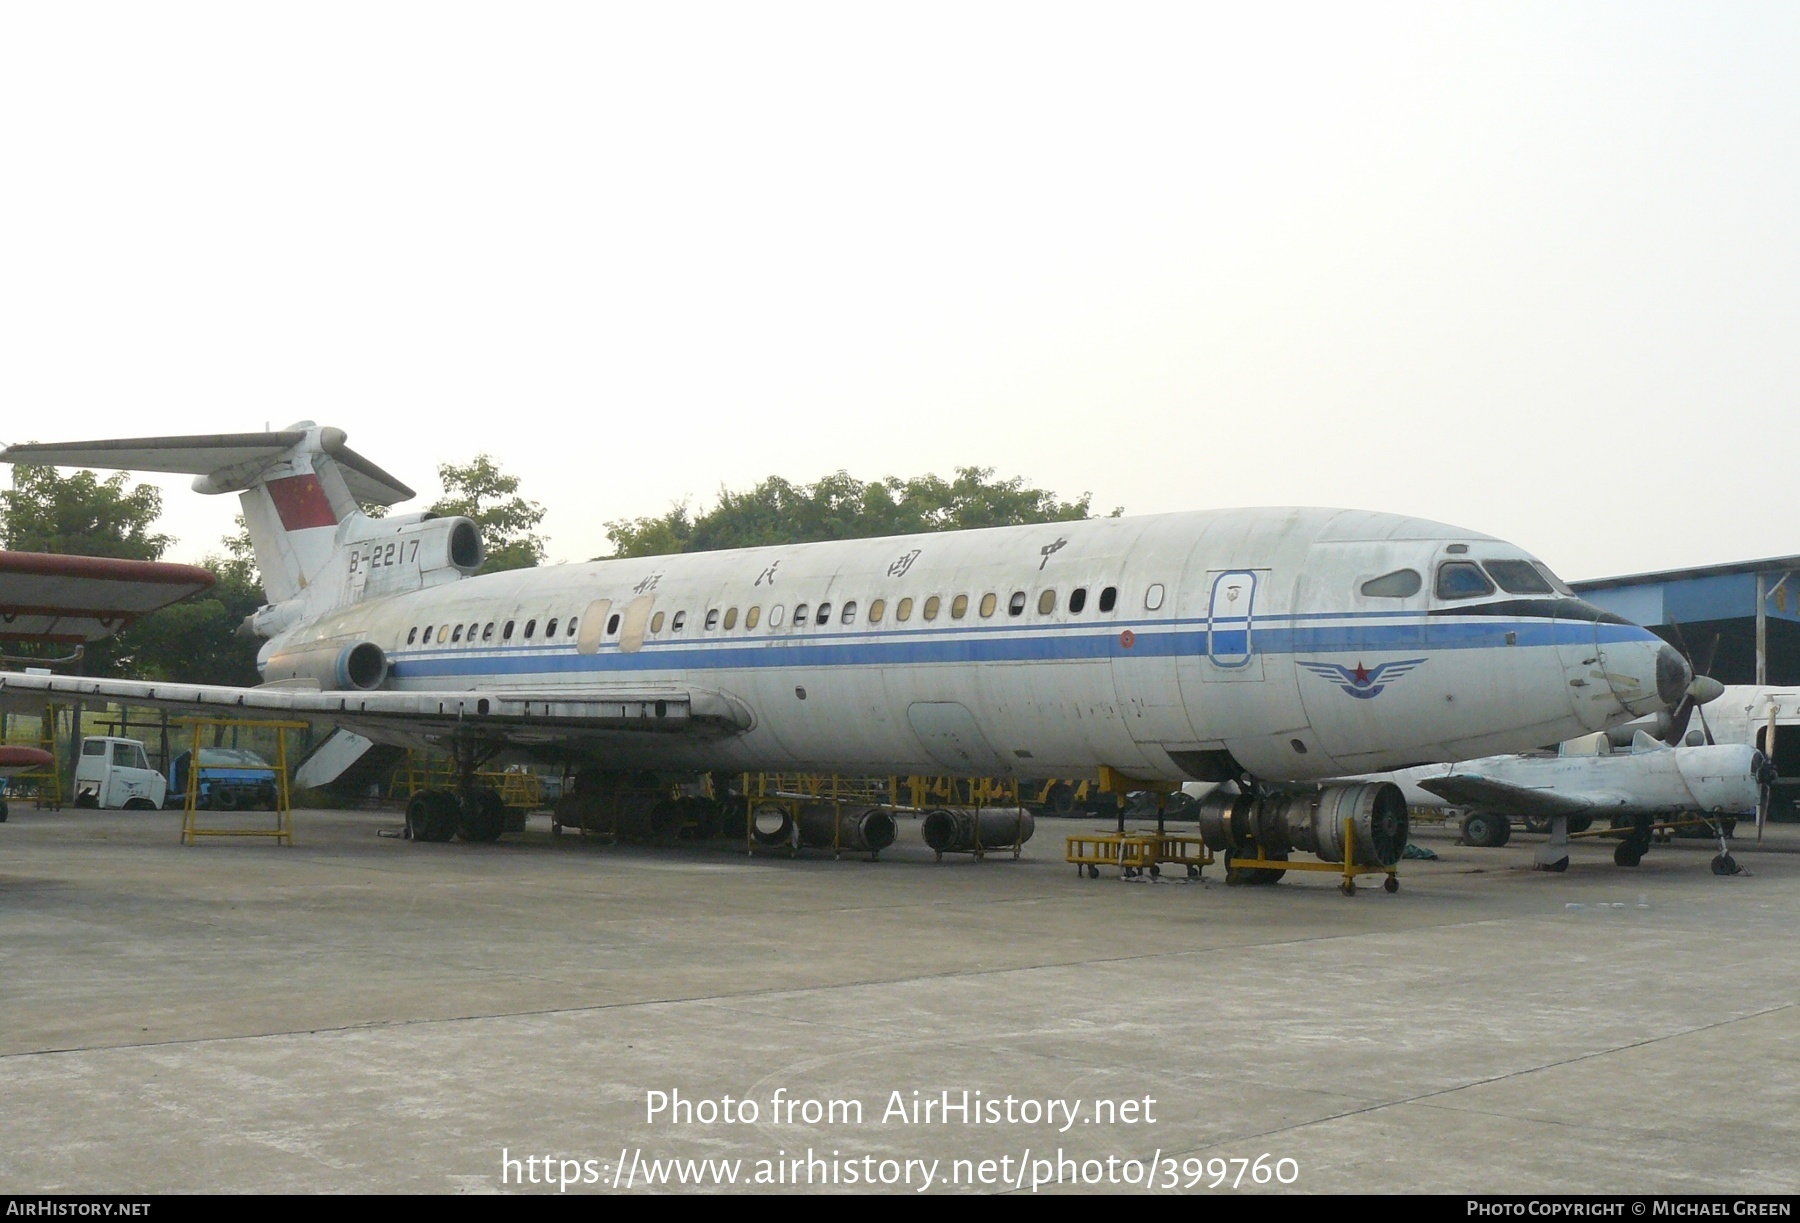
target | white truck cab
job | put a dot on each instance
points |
(116, 773)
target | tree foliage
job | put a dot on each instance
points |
(81, 515)
(478, 489)
(839, 506)
(196, 641)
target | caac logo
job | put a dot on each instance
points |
(1363, 683)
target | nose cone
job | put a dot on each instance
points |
(1673, 676)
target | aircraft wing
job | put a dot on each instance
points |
(78, 599)
(513, 718)
(1474, 790)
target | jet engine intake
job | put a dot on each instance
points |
(868, 831)
(334, 665)
(1312, 821)
(951, 830)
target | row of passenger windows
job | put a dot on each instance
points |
(458, 634)
(1468, 580)
(804, 614)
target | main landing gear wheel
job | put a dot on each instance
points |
(482, 816)
(1725, 864)
(431, 815)
(1486, 829)
(1626, 853)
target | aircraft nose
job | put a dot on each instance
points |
(1673, 675)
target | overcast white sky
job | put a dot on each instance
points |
(1532, 269)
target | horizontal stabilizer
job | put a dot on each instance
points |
(203, 454)
(1473, 790)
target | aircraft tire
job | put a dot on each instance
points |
(1059, 799)
(431, 815)
(1626, 853)
(1725, 864)
(482, 818)
(1486, 829)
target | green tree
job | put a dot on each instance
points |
(196, 641)
(81, 515)
(478, 489)
(839, 506)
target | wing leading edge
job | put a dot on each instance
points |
(1473, 790)
(384, 716)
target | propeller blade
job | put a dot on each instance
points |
(1710, 741)
(1678, 721)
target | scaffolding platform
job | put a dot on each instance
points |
(282, 830)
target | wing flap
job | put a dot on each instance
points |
(500, 716)
(1474, 790)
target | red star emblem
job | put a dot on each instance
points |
(1362, 675)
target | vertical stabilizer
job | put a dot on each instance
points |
(298, 486)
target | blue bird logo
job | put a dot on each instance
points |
(1363, 683)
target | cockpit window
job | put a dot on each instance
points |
(1518, 577)
(1462, 580)
(1396, 585)
(1557, 584)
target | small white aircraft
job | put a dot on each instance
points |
(1263, 646)
(1587, 780)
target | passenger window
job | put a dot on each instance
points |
(1462, 580)
(487, 634)
(550, 628)
(1015, 606)
(530, 628)
(1153, 597)
(848, 615)
(457, 635)
(903, 612)
(1109, 598)
(959, 607)
(656, 623)
(1046, 603)
(730, 618)
(876, 609)
(443, 633)
(1400, 584)
(1077, 600)
(573, 622)
(413, 633)
(506, 633)
(775, 615)
(800, 610)
(931, 607)
(712, 619)
(824, 614)
(612, 623)
(679, 622)
(752, 616)
(988, 603)
(472, 629)
(1518, 577)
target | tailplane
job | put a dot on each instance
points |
(302, 490)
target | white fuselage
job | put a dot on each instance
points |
(1244, 632)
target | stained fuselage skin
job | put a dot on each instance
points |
(1243, 632)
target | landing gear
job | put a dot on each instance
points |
(1636, 844)
(1725, 864)
(1486, 829)
(1625, 853)
(482, 815)
(431, 815)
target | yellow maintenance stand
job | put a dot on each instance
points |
(1137, 853)
(283, 829)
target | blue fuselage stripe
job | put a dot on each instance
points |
(1073, 642)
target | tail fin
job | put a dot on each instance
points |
(297, 486)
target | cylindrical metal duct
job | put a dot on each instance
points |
(866, 831)
(956, 830)
(771, 825)
(1311, 821)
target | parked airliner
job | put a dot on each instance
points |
(1263, 646)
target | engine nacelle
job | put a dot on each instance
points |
(1312, 821)
(398, 556)
(337, 665)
